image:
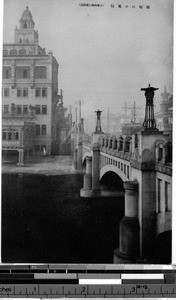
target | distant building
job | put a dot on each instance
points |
(167, 111)
(30, 100)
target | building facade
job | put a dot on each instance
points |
(30, 97)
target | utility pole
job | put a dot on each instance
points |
(108, 121)
(133, 109)
(76, 122)
(70, 119)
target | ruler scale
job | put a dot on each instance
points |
(77, 281)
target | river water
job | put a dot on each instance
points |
(45, 220)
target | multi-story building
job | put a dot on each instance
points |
(164, 117)
(29, 93)
(167, 111)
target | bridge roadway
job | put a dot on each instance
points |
(142, 162)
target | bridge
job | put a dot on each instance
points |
(142, 162)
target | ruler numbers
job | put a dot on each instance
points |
(123, 290)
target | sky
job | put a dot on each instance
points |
(105, 54)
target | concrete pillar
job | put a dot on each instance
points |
(21, 158)
(147, 213)
(88, 175)
(86, 191)
(129, 238)
(95, 168)
(75, 158)
(79, 155)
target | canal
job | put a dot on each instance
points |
(45, 220)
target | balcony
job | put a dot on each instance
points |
(10, 144)
(29, 115)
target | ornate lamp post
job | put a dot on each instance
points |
(149, 121)
(98, 123)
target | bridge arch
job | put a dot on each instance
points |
(84, 156)
(111, 168)
(111, 181)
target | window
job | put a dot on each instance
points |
(6, 109)
(13, 52)
(19, 92)
(40, 72)
(10, 135)
(6, 73)
(166, 196)
(44, 109)
(37, 129)
(38, 92)
(160, 154)
(22, 52)
(5, 52)
(119, 164)
(125, 169)
(22, 72)
(25, 73)
(37, 148)
(121, 167)
(37, 109)
(25, 92)
(128, 172)
(16, 135)
(25, 109)
(121, 144)
(19, 109)
(44, 92)
(4, 135)
(43, 129)
(6, 92)
(159, 194)
(136, 141)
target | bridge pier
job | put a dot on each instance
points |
(129, 240)
(75, 158)
(79, 155)
(96, 170)
(86, 191)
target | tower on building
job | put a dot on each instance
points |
(26, 34)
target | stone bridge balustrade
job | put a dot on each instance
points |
(135, 158)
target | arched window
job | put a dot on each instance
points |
(169, 152)
(4, 134)
(25, 25)
(5, 52)
(13, 52)
(22, 52)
